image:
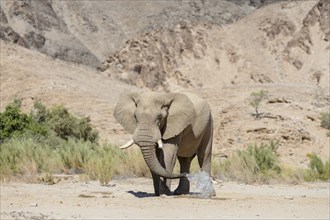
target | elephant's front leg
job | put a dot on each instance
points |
(159, 185)
(167, 158)
(170, 152)
(155, 177)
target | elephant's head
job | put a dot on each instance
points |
(152, 118)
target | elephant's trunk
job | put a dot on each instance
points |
(149, 155)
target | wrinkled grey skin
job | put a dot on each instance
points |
(184, 124)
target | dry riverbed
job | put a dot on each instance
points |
(132, 198)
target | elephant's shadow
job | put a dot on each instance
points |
(140, 194)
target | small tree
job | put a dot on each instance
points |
(256, 99)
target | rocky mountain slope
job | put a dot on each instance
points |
(88, 31)
(281, 47)
(282, 43)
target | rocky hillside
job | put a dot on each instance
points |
(89, 31)
(35, 25)
(285, 42)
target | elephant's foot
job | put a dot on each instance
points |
(162, 191)
(165, 190)
(183, 188)
(161, 188)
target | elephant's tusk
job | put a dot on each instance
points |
(127, 145)
(160, 144)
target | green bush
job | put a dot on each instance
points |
(257, 163)
(43, 122)
(265, 156)
(325, 120)
(66, 125)
(318, 170)
(39, 112)
(14, 123)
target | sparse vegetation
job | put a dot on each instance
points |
(38, 145)
(257, 163)
(27, 157)
(318, 170)
(261, 164)
(256, 100)
(325, 121)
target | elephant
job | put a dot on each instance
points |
(167, 127)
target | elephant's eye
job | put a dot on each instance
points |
(159, 117)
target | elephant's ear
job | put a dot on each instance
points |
(124, 112)
(181, 113)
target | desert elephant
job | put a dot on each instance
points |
(166, 127)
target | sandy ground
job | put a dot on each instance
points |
(132, 198)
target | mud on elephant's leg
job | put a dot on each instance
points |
(184, 184)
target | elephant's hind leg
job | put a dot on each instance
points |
(184, 184)
(204, 153)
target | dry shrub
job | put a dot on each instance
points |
(325, 121)
(260, 164)
(100, 168)
(27, 158)
(256, 164)
(318, 169)
(131, 164)
(29, 171)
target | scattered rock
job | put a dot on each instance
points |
(278, 100)
(259, 130)
(271, 116)
(310, 118)
(166, 196)
(33, 205)
(86, 196)
(49, 179)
